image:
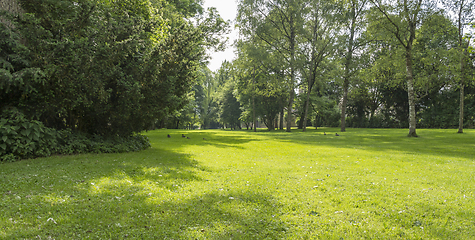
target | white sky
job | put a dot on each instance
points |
(227, 10)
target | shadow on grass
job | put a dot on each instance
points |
(144, 195)
(217, 138)
(439, 143)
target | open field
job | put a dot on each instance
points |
(364, 184)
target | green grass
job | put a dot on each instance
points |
(364, 184)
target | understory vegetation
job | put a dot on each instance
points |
(216, 184)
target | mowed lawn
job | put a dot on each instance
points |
(364, 184)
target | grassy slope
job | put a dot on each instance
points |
(367, 183)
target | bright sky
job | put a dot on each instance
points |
(228, 11)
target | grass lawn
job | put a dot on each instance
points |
(364, 184)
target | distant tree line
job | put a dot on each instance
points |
(356, 63)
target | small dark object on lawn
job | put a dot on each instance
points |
(188, 138)
(324, 133)
(336, 134)
(204, 138)
(169, 136)
(183, 135)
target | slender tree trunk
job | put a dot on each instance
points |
(292, 75)
(289, 111)
(343, 104)
(281, 124)
(254, 122)
(346, 83)
(462, 85)
(462, 67)
(410, 92)
(307, 102)
(348, 59)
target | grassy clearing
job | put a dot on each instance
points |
(364, 184)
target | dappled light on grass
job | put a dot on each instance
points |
(366, 183)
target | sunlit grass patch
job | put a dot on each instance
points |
(366, 183)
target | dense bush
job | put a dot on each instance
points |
(23, 138)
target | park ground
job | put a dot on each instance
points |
(363, 184)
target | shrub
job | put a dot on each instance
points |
(23, 138)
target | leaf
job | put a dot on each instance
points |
(26, 132)
(3, 146)
(4, 138)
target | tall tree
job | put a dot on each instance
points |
(462, 12)
(355, 11)
(278, 23)
(207, 98)
(402, 20)
(321, 25)
(247, 71)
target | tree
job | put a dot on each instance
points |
(229, 107)
(261, 81)
(106, 67)
(321, 25)
(207, 99)
(462, 12)
(354, 11)
(278, 24)
(402, 19)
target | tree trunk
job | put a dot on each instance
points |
(254, 113)
(300, 122)
(462, 85)
(343, 104)
(410, 92)
(311, 81)
(289, 111)
(281, 124)
(462, 67)
(348, 59)
(292, 74)
(307, 102)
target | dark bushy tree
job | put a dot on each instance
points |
(100, 67)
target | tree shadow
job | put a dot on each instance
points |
(143, 195)
(437, 143)
(199, 138)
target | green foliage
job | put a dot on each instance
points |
(229, 106)
(95, 73)
(104, 67)
(23, 138)
(18, 79)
